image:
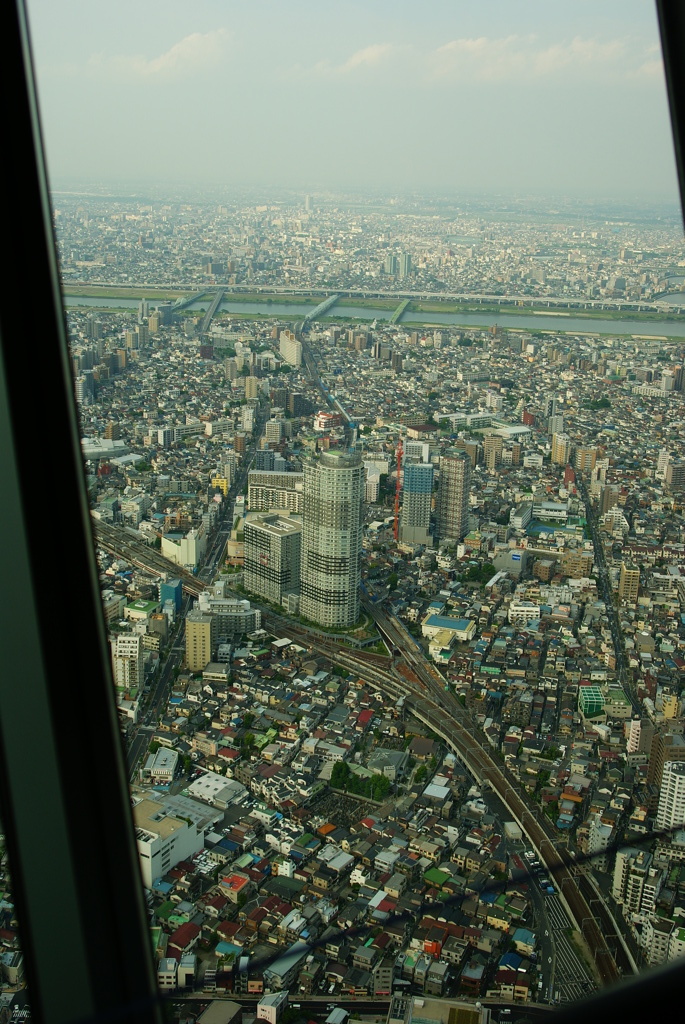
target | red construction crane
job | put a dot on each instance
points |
(398, 484)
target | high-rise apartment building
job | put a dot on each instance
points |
(233, 616)
(675, 475)
(671, 810)
(452, 505)
(492, 451)
(273, 431)
(561, 449)
(128, 660)
(586, 457)
(550, 405)
(290, 348)
(636, 883)
(416, 503)
(608, 498)
(628, 583)
(268, 491)
(332, 522)
(251, 388)
(272, 557)
(666, 746)
(200, 640)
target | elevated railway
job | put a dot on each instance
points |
(118, 541)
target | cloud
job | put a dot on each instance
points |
(367, 57)
(653, 68)
(524, 58)
(193, 53)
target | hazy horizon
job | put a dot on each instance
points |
(509, 97)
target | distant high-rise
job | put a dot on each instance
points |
(452, 507)
(416, 503)
(608, 498)
(332, 522)
(561, 449)
(290, 348)
(405, 265)
(586, 458)
(549, 405)
(675, 475)
(308, 204)
(492, 450)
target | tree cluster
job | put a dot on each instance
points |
(376, 787)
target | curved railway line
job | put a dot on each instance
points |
(424, 689)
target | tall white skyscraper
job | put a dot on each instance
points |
(671, 811)
(332, 520)
(452, 506)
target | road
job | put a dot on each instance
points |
(125, 546)
(605, 592)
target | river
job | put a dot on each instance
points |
(560, 323)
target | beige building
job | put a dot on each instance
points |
(561, 449)
(251, 387)
(492, 450)
(200, 632)
(628, 583)
(586, 458)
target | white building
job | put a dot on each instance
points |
(162, 839)
(671, 811)
(332, 523)
(290, 348)
(128, 660)
(271, 1007)
(186, 551)
(521, 612)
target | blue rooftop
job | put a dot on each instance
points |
(159, 885)
(444, 622)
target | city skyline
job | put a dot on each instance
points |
(554, 100)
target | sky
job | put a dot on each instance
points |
(492, 96)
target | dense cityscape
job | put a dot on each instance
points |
(387, 496)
